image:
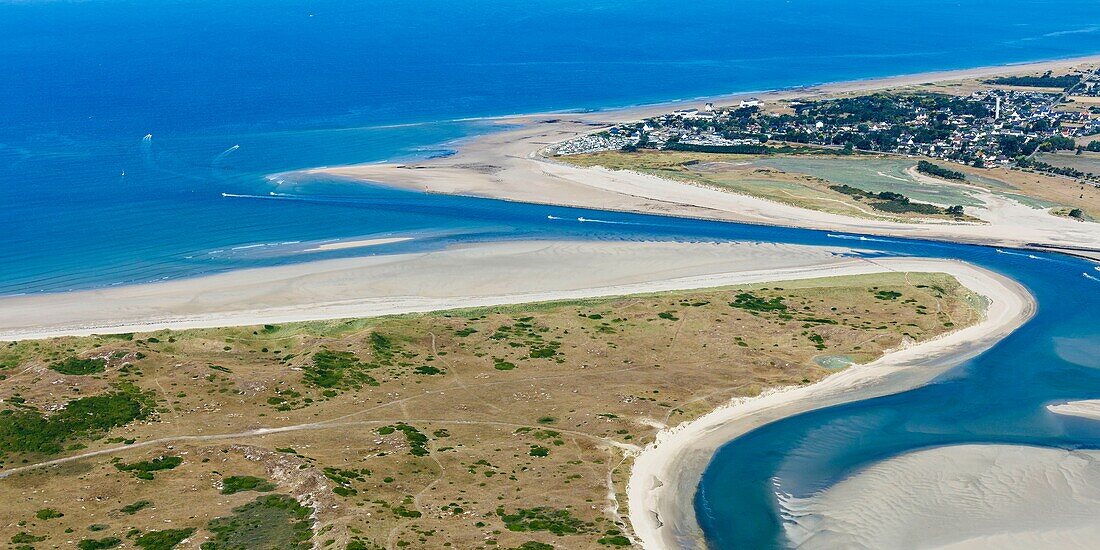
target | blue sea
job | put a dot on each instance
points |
(145, 140)
(123, 122)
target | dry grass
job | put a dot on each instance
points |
(1061, 191)
(739, 174)
(619, 369)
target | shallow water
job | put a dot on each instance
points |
(234, 92)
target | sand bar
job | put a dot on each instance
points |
(666, 474)
(963, 496)
(470, 275)
(1086, 408)
(342, 245)
(462, 276)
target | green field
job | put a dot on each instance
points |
(873, 174)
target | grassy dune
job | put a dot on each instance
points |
(490, 428)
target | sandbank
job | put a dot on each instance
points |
(461, 276)
(1086, 408)
(666, 474)
(362, 243)
(964, 496)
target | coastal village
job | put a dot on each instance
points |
(1003, 123)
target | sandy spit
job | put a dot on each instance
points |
(509, 165)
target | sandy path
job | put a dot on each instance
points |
(666, 474)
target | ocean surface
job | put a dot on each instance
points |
(148, 140)
(123, 122)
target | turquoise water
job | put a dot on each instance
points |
(89, 201)
(336, 82)
(998, 397)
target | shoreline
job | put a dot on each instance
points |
(825, 86)
(509, 165)
(461, 276)
(662, 206)
(836, 86)
(677, 459)
(666, 474)
(664, 477)
(947, 74)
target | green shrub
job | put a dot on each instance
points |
(23, 537)
(270, 521)
(615, 540)
(939, 171)
(237, 484)
(46, 514)
(146, 468)
(534, 545)
(337, 370)
(163, 540)
(559, 522)
(131, 509)
(98, 544)
(76, 366)
(28, 431)
(418, 442)
(751, 302)
(543, 353)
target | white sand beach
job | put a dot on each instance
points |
(666, 474)
(462, 276)
(965, 496)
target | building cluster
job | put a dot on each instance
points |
(1089, 86)
(989, 127)
(610, 140)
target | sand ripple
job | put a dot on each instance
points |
(965, 496)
